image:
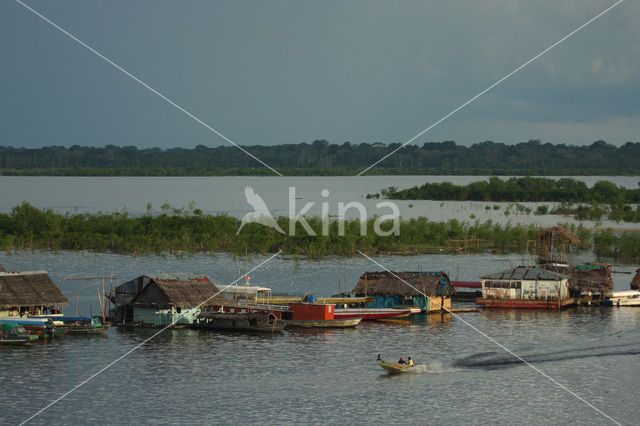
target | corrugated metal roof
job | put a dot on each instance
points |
(525, 273)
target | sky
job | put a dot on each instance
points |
(278, 72)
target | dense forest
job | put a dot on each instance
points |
(182, 231)
(522, 189)
(323, 158)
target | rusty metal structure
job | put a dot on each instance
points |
(552, 244)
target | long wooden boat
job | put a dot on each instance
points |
(322, 323)
(550, 304)
(623, 298)
(395, 368)
(246, 321)
(370, 314)
(80, 325)
(12, 333)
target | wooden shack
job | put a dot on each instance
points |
(174, 299)
(123, 294)
(431, 291)
(525, 287)
(29, 293)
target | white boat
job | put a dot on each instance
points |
(623, 298)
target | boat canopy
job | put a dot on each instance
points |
(64, 318)
(28, 321)
(624, 293)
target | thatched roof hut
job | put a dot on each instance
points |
(396, 283)
(590, 277)
(635, 283)
(29, 289)
(163, 293)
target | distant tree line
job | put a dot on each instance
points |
(323, 158)
(523, 189)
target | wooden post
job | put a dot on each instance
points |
(104, 301)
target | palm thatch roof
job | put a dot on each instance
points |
(589, 277)
(635, 283)
(525, 273)
(29, 289)
(407, 284)
(179, 293)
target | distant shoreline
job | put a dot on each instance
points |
(321, 158)
(319, 172)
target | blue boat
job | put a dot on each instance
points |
(79, 324)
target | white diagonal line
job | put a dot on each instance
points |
(64, 395)
(146, 86)
(496, 342)
(493, 85)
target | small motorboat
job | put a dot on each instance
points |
(395, 368)
(79, 325)
(12, 333)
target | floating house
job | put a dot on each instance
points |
(28, 293)
(525, 287)
(431, 291)
(583, 279)
(164, 299)
(635, 283)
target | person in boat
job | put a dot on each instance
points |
(379, 357)
(402, 361)
(411, 364)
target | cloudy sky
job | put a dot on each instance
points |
(273, 72)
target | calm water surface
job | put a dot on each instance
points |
(226, 195)
(328, 376)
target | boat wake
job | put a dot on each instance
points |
(618, 344)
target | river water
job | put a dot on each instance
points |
(227, 195)
(319, 376)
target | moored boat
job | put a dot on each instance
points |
(42, 328)
(332, 323)
(369, 314)
(80, 325)
(12, 333)
(623, 298)
(316, 315)
(245, 321)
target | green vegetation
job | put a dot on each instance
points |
(190, 231)
(604, 199)
(323, 158)
(524, 189)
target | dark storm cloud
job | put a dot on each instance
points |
(288, 72)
